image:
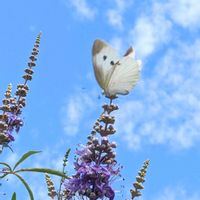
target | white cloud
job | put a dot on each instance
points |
(115, 18)
(182, 12)
(74, 111)
(116, 42)
(169, 106)
(149, 33)
(157, 27)
(115, 15)
(185, 13)
(83, 9)
(12, 158)
(40, 191)
(52, 159)
(177, 193)
(170, 99)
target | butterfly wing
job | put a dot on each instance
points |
(124, 77)
(103, 58)
(114, 75)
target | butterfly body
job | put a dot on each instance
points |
(115, 75)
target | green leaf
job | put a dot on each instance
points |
(43, 170)
(26, 186)
(14, 197)
(24, 157)
(7, 165)
(5, 173)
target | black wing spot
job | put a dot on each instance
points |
(112, 62)
(104, 57)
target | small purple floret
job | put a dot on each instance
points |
(93, 174)
(14, 124)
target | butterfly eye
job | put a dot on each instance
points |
(112, 62)
(104, 57)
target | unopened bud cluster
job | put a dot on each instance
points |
(12, 106)
(51, 189)
(104, 125)
(4, 137)
(140, 179)
(100, 151)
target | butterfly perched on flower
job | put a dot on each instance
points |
(114, 75)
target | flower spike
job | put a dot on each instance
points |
(140, 179)
(12, 106)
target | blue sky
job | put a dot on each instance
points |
(159, 120)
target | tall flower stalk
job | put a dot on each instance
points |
(95, 163)
(10, 118)
(140, 179)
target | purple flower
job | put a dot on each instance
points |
(95, 169)
(14, 123)
(11, 138)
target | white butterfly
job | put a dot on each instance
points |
(115, 75)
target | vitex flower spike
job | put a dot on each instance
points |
(140, 179)
(51, 188)
(96, 164)
(12, 106)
